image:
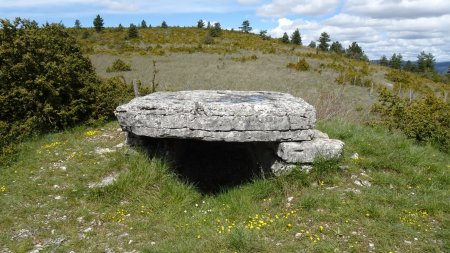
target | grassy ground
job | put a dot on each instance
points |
(238, 61)
(393, 198)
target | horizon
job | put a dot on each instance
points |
(380, 27)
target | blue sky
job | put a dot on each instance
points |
(381, 27)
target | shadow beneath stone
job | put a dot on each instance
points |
(213, 167)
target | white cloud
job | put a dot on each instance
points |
(398, 9)
(377, 36)
(382, 27)
(279, 8)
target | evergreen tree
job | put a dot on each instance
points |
(98, 23)
(296, 37)
(216, 31)
(120, 28)
(324, 39)
(133, 31)
(409, 66)
(396, 61)
(354, 51)
(246, 26)
(209, 25)
(263, 34)
(337, 47)
(312, 44)
(200, 24)
(143, 24)
(164, 25)
(425, 62)
(384, 61)
(285, 38)
(77, 24)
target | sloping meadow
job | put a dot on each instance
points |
(83, 189)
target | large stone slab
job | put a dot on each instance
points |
(231, 116)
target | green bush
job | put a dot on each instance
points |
(118, 65)
(111, 93)
(426, 119)
(301, 65)
(47, 84)
(45, 81)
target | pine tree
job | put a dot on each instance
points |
(409, 66)
(285, 38)
(396, 61)
(133, 31)
(164, 25)
(120, 28)
(77, 24)
(312, 44)
(425, 62)
(384, 61)
(98, 23)
(245, 26)
(200, 24)
(216, 31)
(263, 34)
(354, 51)
(337, 47)
(296, 37)
(143, 24)
(324, 39)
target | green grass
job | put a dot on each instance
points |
(45, 199)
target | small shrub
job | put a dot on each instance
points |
(118, 65)
(111, 93)
(353, 77)
(132, 32)
(208, 40)
(301, 65)
(426, 119)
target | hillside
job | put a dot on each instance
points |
(442, 67)
(85, 190)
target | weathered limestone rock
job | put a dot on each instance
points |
(276, 128)
(308, 151)
(231, 116)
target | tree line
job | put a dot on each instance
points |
(424, 64)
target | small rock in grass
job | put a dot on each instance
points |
(120, 145)
(289, 199)
(58, 197)
(87, 230)
(355, 156)
(102, 151)
(104, 182)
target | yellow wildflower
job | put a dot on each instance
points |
(91, 132)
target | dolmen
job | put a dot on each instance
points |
(276, 128)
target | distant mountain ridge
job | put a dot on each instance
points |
(442, 67)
